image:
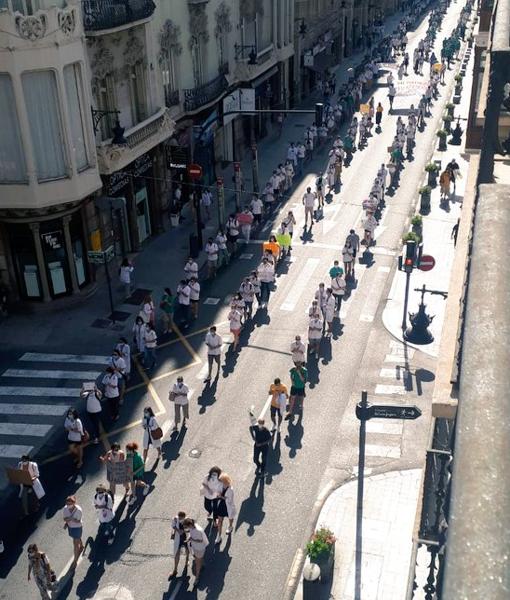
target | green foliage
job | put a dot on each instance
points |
(448, 118)
(411, 236)
(426, 189)
(321, 543)
(417, 220)
(442, 133)
(458, 78)
(432, 168)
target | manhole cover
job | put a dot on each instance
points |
(195, 453)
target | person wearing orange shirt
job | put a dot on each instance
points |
(279, 395)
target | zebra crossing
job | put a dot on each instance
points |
(35, 395)
(384, 436)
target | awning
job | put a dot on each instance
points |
(322, 61)
(261, 78)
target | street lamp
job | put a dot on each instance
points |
(117, 131)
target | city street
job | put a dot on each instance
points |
(260, 559)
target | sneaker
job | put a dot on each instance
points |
(146, 490)
(228, 531)
(218, 539)
(131, 500)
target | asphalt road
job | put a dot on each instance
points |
(273, 514)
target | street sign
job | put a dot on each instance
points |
(427, 262)
(381, 411)
(194, 171)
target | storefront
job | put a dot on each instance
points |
(129, 203)
(47, 256)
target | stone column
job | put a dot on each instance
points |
(46, 296)
(70, 255)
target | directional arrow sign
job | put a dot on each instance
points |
(381, 411)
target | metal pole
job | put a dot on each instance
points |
(221, 203)
(109, 281)
(237, 185)
(198, 213)
(359, 501)
(255, 168)
(406, 300)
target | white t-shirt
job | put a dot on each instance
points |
(235, 317)
(221, 241)
(309, 199)
(183, 295)
(93, 404)
(125, 274)
(74, 429)
(181, 392)
(298, 351)
(256, 206)
(73, 512)
(194, 290)
(213, 341)
(191, 269)
(315, 328)
(111, 385)
(211, 249)
(338, 286)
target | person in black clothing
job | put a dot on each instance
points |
(262, 440)
(455, 170)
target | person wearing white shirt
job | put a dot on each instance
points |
(369, 225)
(298, 351)
(124, 350)
(179, 396)
(194, 288)
(309, 203)
(235, 317)
(256, 206)
(94, 409)
(226, 507)
(320, 296)
(198, 543)
(103, 503)
(232, 227)
(223, 255)
(73, 519)
(329, 310)
(254, 280)
(301, 153)
(25, 464)
(191, 269)
(348, 258)
(289, 175)
(75, 433)
(265, 274)
(184, 300)
(119, 365)
(292, 153)
(247, 291)
(211, 249)
(150, 425)
(206, 201)
(315, 327)
(338, 288)
(110, 384)
(211, 489)
(126, 275)
(151, 341)
(214, 342)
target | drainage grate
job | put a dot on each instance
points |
(195, 453)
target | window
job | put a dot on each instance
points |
(105, 96)
(138, 89)
(47, 140)
(12, 157)
(73, 85)
(169, 75)
(265, 26)
(197, 60)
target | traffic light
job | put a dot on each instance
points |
(319, 113)
(410, 257)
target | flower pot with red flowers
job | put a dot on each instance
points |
(321, 551)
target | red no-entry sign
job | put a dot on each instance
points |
(427, 263)
(195, 171)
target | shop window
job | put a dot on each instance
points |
(12, 157)
(43, 113)
(55, 258)
(75, 108)
(25, 261)
(79, 251)
(138, 93)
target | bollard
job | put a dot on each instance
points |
(311, 581)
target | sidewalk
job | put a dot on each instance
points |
(389, 509)
(437, 241)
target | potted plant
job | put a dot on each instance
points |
(458, 84)
(432, 170)
(442, 134)
(417, 224)
(321, 551)
(425, 198)
(411, 237)
(447, 120)
(450, 107)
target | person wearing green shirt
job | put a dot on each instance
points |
(335, 270)
(298, 378)
(138, 465)
(167, 306)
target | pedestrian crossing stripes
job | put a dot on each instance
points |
(300, 285)
(390, 390)
(31, 412)
(39, 374)
(65, 358)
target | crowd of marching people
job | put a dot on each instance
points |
(126, 467)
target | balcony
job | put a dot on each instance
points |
(172, 98)
(200, 96)
(100, 15)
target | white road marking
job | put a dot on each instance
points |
(203, 371)
(37, 374)
(266, 406)
(69, 358)
(302, 282)
(246, 256)
(30, 429)
(48, 410)
(389, 373)
(388, 390)
(10, 390)
(372, 301)
(382, 451)
(212, 301)
(14, 450)
(385, 426)
(383, 269)
(399, 358)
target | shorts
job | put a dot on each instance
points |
(198, 553)
(236, 331)
(275, 411)
(295, 391)
(75, 532)
(213, 358)
(232, 238)
(74, 442)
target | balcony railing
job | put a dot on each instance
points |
(109, 14)
(172, 98)
(204, 94)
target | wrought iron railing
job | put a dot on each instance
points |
(108, 14)
(143, 133)
(199, 96)
(172, 98)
